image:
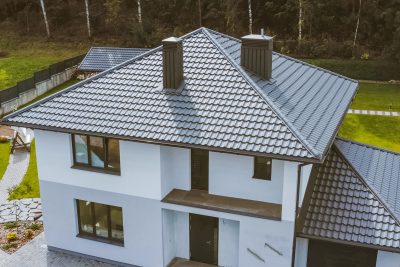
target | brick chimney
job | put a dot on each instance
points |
(256, 54)
(172, 63)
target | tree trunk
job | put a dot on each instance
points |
(88, 18)
(300, 18)
(250, 18)
(357, 25)
(199, 6)
(45, 18)
(139, 11)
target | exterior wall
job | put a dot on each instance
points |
(237, 172)
(40, 88)
(387, 259)
(301, 252)
(305, 176)
(141, 217)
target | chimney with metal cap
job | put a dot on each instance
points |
(172, 62)
(256, 54)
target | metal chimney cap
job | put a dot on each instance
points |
(257, 37)
(172, 40)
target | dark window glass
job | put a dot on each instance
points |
(100, 221)
(96, 152)
(262, 168)
(113, 154)
(81, 149)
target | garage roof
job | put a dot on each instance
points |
(294, 115)
(351, 197)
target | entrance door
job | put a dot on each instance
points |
(199, 164)
(328, 254)
(203, 239)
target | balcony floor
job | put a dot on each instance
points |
(201, 199)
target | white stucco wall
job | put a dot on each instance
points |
(141, 217)
(387, 259)
(305, 176)
(228, 242)
(301, 252)
(232, 175)
(140, 167)
(289, 191)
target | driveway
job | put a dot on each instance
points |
(35, 254)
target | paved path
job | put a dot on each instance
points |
(35, 254)
(374, 112)
(16, 170)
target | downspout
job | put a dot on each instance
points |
(299, 167)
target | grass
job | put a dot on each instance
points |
(52, 91)
(378, 70)
(4, 157)
(379, 131)
(29, 187)
(374, 96)
(25, 59)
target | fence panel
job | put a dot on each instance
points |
(26, 85)
(57, 68)
(42, 75)
(73, 61)
(8, 94)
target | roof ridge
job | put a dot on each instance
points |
(368, 145)
(293, 129)
(114, 47)
(365, 182)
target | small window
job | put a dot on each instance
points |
(262, 168)
(101, 222)
(96, 152)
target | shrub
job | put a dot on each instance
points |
(9, 246)
(3, 139)
(365, 56)
(28, 233)
(11, 236)
(9, 225)
(34, 226)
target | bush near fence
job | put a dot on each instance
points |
(39, 76)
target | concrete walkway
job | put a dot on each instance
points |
(16, 170)
(374, 112)
(35, 254)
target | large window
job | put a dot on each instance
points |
(96, 152)
(262, 168)
(101, 222)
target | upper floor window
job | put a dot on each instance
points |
(262, 168)
(100, 221)
(96, 152)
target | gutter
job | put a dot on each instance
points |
(299, 168)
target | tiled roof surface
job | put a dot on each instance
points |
(341, 206)
(312, 99)
(220, 106)
(102, 58)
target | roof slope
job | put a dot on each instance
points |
(103, 58)
(380, 168)
(221, 107)
(312, 99)
(341, 206)
(217, 108)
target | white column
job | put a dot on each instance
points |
(301, 252)
(387, 259)
(289, 191)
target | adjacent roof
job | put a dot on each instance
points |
(343, 202)
(102, 58)
(221, 107)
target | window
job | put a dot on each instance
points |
(101, 222)
(96, 152)
(262, 168)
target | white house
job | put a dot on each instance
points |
(198, 150)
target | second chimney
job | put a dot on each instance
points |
(256, 55)
(172, 62)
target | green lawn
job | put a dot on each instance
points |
(23, 60)
(381, 131)
(374, 96)
(378, 70)
(4, 157)
(52, 91)
(29, 187)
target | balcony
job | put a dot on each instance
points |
(204, 200)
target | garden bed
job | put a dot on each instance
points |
(14, 235)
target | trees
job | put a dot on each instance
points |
(88, 18)
(46, 22)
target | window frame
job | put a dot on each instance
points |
(93, 235)
(268, 174)
(88, 166)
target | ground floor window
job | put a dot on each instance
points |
(99, 221)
